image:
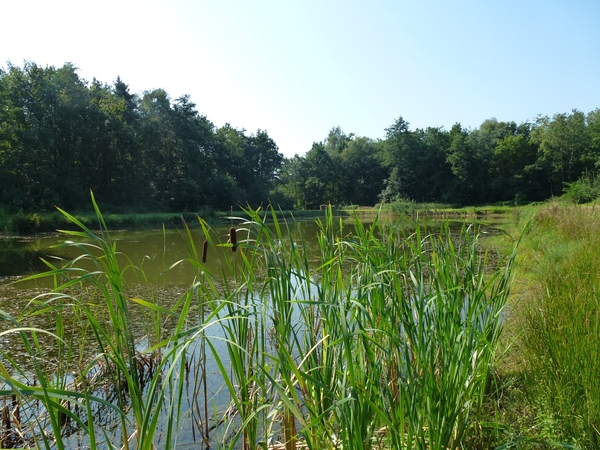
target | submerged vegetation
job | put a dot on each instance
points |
(387, 340)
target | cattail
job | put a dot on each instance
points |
(204, 251)
(5, 417)
(16, 411)
(233, 239)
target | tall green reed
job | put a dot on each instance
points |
(381, 339)
(388, 343)
(229, 295)
(144, 385)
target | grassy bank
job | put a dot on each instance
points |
(553, 364)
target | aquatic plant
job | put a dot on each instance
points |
(375, 338)
(71, 390)
(387, 343)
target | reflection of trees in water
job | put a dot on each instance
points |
(17, 259)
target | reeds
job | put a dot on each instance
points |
(381, 339)
(386, 343)
(138, 400)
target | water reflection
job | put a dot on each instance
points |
(157, 249)
(22, 256)
(154, 250)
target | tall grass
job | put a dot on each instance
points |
(143, 382)
(380, 339)
(562, 333)
(386, 343)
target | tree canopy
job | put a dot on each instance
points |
(61, 136)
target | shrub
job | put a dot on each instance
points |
(584, 190)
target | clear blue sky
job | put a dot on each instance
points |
(297, 68)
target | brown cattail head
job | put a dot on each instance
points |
(5, 417)
(16, 411)
(233, 239)
(204, 251)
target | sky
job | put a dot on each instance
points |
(298, 68)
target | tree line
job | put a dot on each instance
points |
(495, 163)
(61, 136)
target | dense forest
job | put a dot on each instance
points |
(61, 136)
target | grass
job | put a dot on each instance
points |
(445, 210)
(387, 344)
(388, 339)
(69, 390)
(562, 317)
(545, 386)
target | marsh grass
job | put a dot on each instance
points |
(385, 340)
(142, 383)
(387, 343)
(562, 316)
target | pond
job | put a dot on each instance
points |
(225, 351)
(21, 256)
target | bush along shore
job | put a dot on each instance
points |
(387, 340)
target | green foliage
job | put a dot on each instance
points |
(561, 337)
(364, 174)
(146, 151)
(497, 162)
(316, 173)
(564, 146)
(387, 342)
(71, 391)
(584, 190)
(61, 136)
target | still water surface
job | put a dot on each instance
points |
(22, 256)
